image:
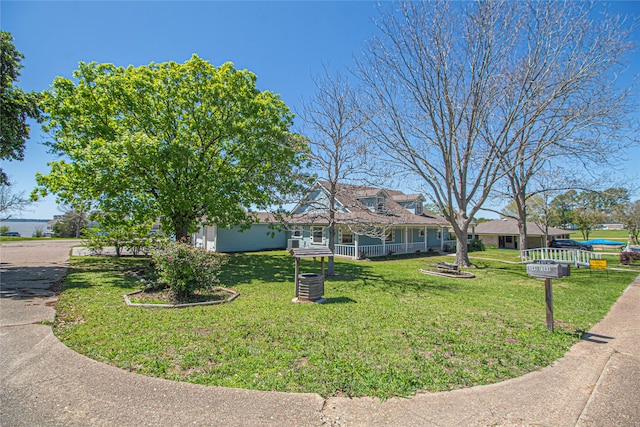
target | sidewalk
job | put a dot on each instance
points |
(42, 382)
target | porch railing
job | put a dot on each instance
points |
(577, 257)
(345, 250)
(366, 251)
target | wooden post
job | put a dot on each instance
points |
(297, 273)
(548, 299)
(322, 266)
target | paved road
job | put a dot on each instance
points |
(44, 383)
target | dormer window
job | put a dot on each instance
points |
(381, 206)
(418, 208)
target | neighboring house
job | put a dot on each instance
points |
(53, 222)
(614, 226)
(369, 222)
(262, 235)
(504, 234)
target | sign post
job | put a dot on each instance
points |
(548, 301)
(548, 270)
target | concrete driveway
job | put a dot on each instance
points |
(43, 383)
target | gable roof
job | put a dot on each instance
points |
(349, 197)
(509, 226)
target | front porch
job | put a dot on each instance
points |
(399, 239)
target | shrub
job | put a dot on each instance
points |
(184, 268)
(627, 258)
(476, 245)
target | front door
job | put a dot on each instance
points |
(500, 242)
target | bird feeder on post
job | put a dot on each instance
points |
(309, 286)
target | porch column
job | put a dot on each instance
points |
(356, 244)
(406, 239)
(441, 239)
(425, 238)
(384, 239)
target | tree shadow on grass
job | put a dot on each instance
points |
(426, 285)
(340, 300)
(362, 276)
(247, 268)
(86, 272)
(279, 267)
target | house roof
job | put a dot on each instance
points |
(349, 197)
(509, 226)
(407, 197)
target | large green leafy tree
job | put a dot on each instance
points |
(16, 106)
(183, 142)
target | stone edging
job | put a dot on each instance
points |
(234, 295)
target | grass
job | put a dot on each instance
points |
(621, 235)
(387, 330)
(510, 255)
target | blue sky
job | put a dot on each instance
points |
(283, 43)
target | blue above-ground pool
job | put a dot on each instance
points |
(604, 242)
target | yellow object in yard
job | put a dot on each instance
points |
(598, 264)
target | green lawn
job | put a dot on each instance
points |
(621, 235)
(387, 330)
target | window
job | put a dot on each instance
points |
(346, 237)
(296, 233)
(317, 235)
(439, 234)
(508, 239)
(421, 232)
(418, 208)
(380, 205)
(390, 236)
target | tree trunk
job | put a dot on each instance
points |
(522, 229)
(332, 248)
(462, 248)
(462, 235)
(78, 226)
(181, 230)
(332, 226)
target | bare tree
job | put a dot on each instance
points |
(469, 91)
(629, 215)
(436, 76)
(333, 122)
(576, 111)
(10, 202)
